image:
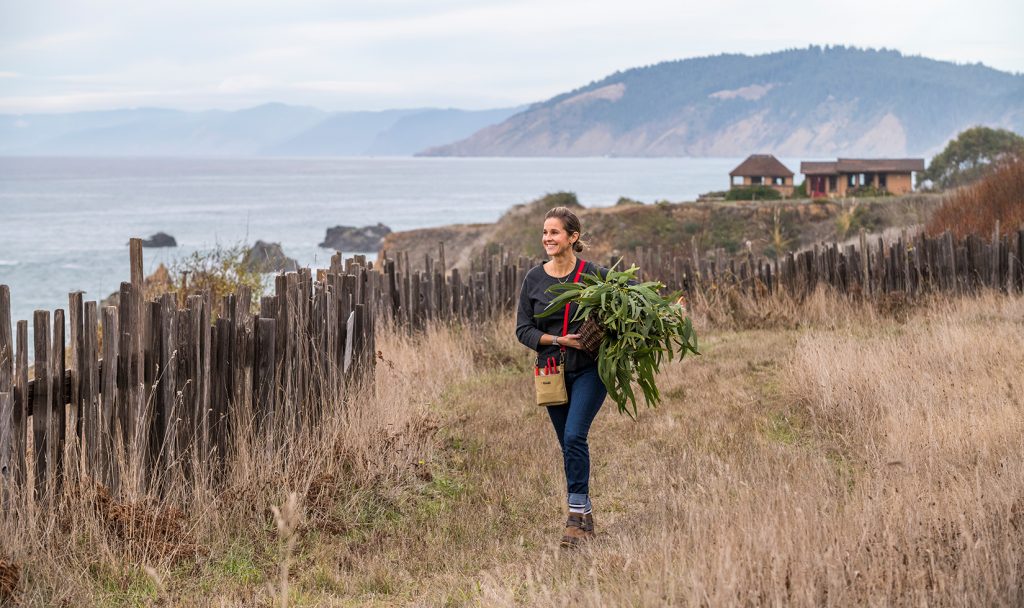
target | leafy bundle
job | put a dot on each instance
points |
(642, 329)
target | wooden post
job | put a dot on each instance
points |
(1012, 263)
(949, 253)
(89, 410)
(6, 443)
(905, 262)
(58, 401)
(75, 343)
(6, 343)
(138, 416)
(21, 405)
(110, 416)
(204, 341)
(167, 415)
(350, 332)
(125, 311)
(41, 402)
(7, 425)
(223, 390)
(263, 376)
(995, 259)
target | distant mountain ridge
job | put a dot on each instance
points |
(273, 129)
(818, 101)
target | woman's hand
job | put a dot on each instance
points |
(570, 340)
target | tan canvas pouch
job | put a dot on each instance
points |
(551, 389)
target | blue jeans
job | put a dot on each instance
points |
(572, 423)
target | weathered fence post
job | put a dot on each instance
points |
(43, 384)
(7, 424)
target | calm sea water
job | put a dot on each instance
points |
(65, 223)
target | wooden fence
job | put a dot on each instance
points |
(154, 390)
(910, 265)
(185, 381)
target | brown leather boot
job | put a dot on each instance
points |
(575, 531)
(588, 524)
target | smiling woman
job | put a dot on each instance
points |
(554, 339)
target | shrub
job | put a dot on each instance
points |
(801, 190)
(868, 191)
(849, 221)
(753, 193)
(972, 155)
(782, 233)
(222, 270)
(976, 209)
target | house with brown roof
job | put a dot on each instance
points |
(844, 176)
(762, 170)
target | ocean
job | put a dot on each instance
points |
(65, 222)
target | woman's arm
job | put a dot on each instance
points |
(526, 330)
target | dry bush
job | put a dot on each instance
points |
(975, 209)
(158, 530)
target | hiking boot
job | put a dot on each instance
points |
(588, 524)
(575, 531)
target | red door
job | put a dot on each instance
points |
(817, 186)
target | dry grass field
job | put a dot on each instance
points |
(834, 455)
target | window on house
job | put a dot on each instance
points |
(833, 183)
(778, 181)
(756, 180)
(882, 181)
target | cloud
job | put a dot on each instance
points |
(58, 41)
(248, 83)
(405, 53)
(348, 86)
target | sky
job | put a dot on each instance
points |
(473, 54)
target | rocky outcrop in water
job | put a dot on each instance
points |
(352, 239)
(159, 282)
(160, 239)
(268, 257)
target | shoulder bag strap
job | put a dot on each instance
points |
(565, 317)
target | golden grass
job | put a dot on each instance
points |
(998, 198)
(841, 457)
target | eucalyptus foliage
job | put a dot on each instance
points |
(642, 330)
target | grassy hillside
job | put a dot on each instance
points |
(770, 227)
(859, 459)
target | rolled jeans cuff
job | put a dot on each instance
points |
(579, 500)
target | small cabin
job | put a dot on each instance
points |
(846, 175)
(762, 170)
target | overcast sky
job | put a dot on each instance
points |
(376, 54)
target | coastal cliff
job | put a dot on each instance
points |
(764, 227)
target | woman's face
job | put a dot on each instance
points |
(556, 240)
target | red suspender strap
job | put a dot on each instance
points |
(565, 317)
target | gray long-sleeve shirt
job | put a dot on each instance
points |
(533, 300)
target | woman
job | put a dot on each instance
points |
(561, 241)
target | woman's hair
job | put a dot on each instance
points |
(571, 223)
